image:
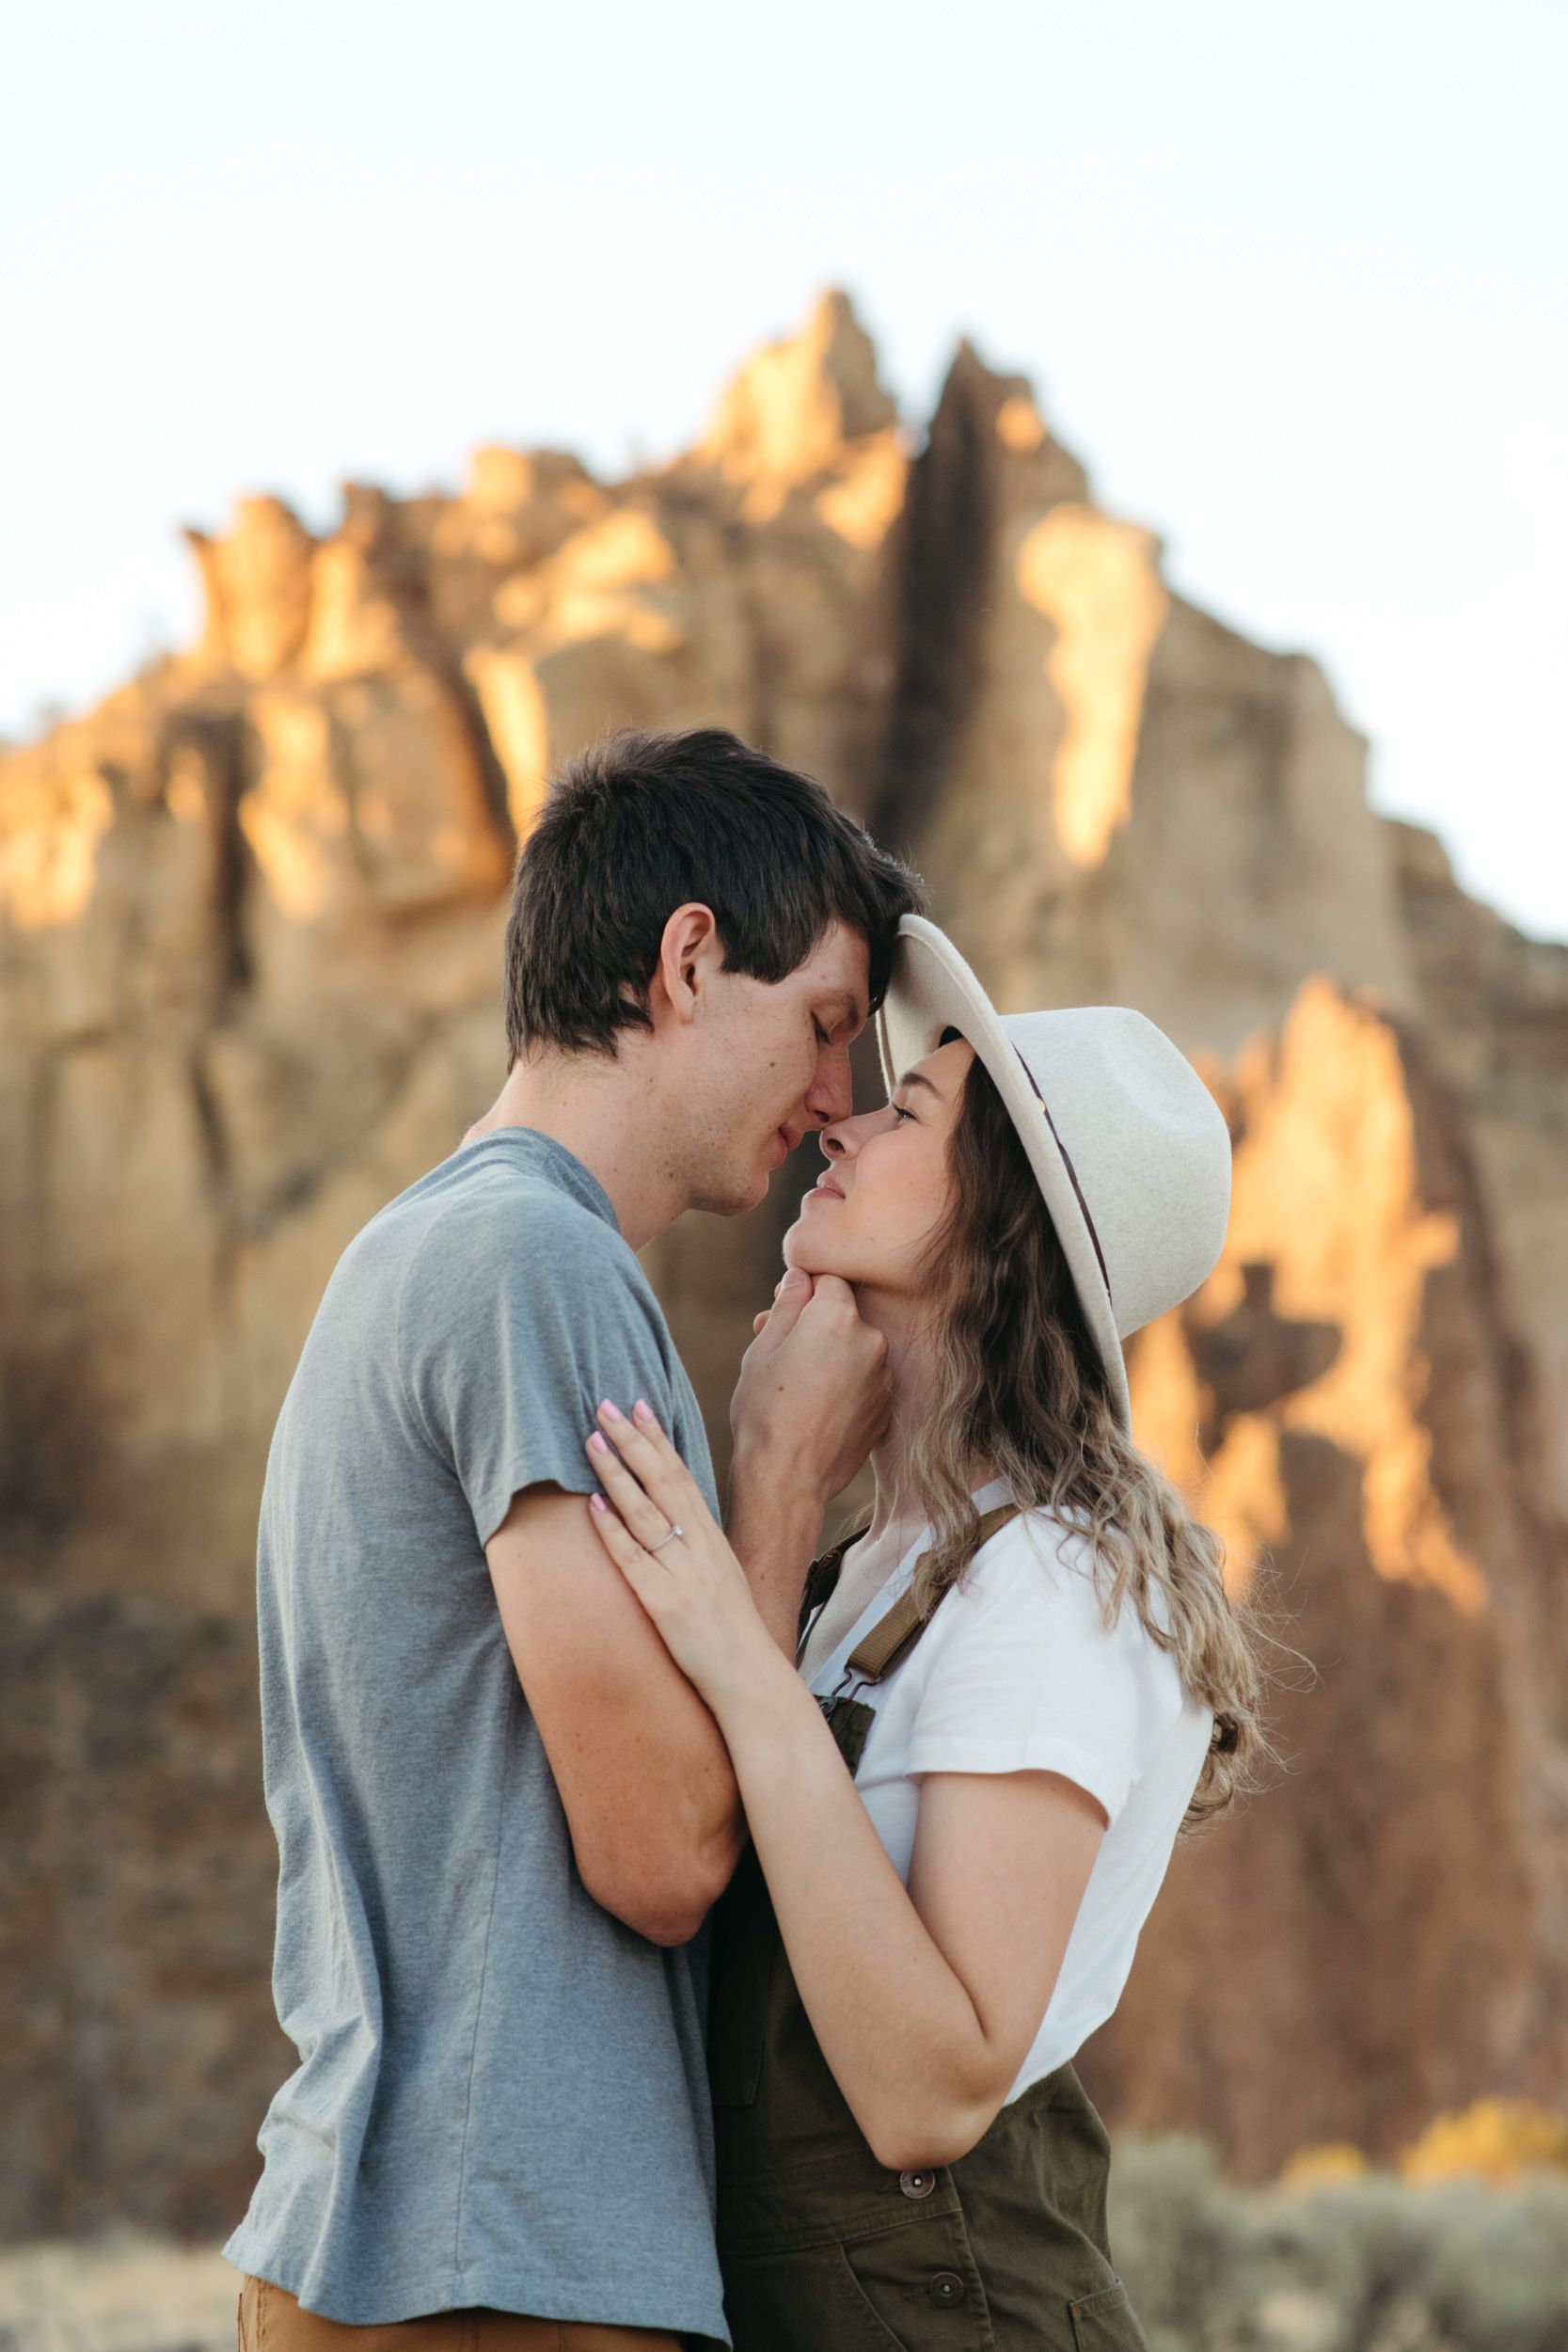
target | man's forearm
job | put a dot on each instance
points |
(773, 1525)
(643, 1771)
(660, 1852)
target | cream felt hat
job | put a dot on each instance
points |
(1129, 1147)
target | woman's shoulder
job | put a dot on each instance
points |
(1028, 1635)
(1046, 1563)
(1041, 1537)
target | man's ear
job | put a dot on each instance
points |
(691, 955)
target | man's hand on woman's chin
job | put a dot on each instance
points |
(813, 1399)
(814, 1390)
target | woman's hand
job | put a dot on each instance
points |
(691, 1584)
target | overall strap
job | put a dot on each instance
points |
(821, 1579)
(891, 1638)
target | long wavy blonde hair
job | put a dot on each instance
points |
(1022, 1392)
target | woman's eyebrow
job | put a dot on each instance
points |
(913, 1078)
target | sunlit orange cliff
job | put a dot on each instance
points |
(250, 918)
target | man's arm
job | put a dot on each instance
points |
(811, 1400)
(645, 1777)
(773, 1532)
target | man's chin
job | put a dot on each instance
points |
(736, 1201)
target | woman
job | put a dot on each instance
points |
(1027, 1661)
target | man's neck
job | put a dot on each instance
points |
(606, 1114)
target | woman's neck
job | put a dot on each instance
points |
(905, 1323)
(909, 1328)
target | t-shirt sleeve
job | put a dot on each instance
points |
(1029, 1677)
(511, 1332)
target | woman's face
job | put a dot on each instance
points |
(886, 1189)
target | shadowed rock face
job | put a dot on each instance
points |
(141, 2048)
(250, 923)
(1493, 1019)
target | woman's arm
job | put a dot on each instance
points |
(925, 2002)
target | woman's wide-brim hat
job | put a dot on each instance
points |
(1129, 1148)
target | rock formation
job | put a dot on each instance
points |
(1389, 1923)
(250, 919)
(1122, 800)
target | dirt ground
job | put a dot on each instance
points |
(121, 2293)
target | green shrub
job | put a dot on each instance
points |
(1370, 2265)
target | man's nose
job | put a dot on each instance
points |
(832, 1092)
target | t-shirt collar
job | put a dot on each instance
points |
(552, 1159)
(896, 1582)
(984, 1498)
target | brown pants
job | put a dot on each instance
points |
(271, 2321)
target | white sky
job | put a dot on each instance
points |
(1289, 278)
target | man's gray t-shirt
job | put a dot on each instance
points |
(501, 2097)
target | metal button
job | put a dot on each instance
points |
(947, 2289)
(917, 2184)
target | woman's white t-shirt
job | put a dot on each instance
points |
(1017, 1672)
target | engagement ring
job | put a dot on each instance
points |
(667, 1539)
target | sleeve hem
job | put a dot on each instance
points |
(1110, 1789)
(490, 1509)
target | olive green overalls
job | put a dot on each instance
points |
(823, 2249)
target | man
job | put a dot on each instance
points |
(502, 1812)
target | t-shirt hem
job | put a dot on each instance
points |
(660, 2302)
(492, 1509)
(1035, 2069)
(934, 1754)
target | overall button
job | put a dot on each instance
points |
(947, 2289)
(917, 2184)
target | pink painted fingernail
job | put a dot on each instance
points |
(598, 1502)
(610, 1411)
(642, 1410)
(597, 1444)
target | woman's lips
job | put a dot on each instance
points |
(824, 1189)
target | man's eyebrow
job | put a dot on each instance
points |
(854, 1014)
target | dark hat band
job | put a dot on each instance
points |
(1072, 1174)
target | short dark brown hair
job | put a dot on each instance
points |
(638, 824)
